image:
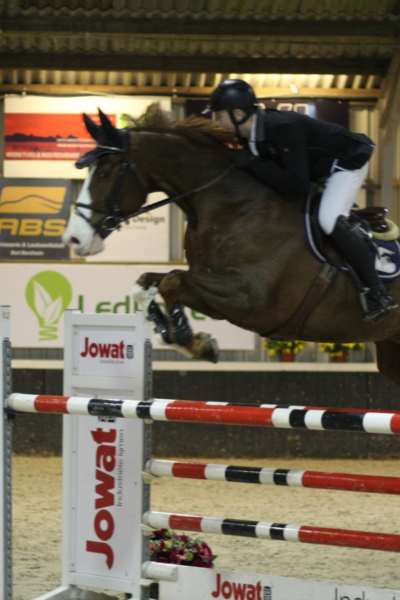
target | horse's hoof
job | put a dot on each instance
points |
(211, 352)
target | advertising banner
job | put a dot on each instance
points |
(44, 136)
(104, 353)
(39, 140)
(144, 239)
(33, 216)
(105, 497)
(333, 111)
(209, 584)
(103, 456)
(39, 295)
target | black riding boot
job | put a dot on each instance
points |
(354, 249)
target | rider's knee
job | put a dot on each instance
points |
(327, 220)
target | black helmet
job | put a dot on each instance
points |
(231, 94)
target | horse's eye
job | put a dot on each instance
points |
(103, 174)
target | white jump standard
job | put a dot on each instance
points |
(108, 465)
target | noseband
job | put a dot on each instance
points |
(113, 218)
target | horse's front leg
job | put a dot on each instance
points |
(173, 329)
(144, 292)
(221, 296)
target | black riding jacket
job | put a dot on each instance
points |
(295, 150)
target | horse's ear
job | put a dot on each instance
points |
(92, 127)
(108, 127)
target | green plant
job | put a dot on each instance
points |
(275, 347)
(336, 348)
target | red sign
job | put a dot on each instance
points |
(47, 136)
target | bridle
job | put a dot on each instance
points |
(113, 218)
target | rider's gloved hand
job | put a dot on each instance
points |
(242, 158)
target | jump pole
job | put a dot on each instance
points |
(323, 536)
(291, 417)
(347, 482)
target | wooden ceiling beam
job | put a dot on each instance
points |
(390, 112)
(354, 28)
(64, 61)
(344, 94)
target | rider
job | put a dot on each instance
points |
(288, 151)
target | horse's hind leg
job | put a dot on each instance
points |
(388, 360)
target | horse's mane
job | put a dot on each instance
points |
(159, 120)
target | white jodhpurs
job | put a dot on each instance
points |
(339, 195)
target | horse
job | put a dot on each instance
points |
(245, 243)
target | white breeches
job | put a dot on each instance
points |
(339, 195)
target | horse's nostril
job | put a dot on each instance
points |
(74, 241)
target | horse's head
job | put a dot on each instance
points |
(113, 189)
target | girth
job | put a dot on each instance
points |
(291, 330)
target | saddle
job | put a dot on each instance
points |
(371, 223)
(374, 216)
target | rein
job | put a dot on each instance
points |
(113, 218)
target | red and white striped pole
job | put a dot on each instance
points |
(386, 542)
(268, 476)
(287, 417)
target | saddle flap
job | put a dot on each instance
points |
(385, 246)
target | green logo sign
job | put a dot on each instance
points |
(48, 294)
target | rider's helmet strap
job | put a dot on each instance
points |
(237, 122)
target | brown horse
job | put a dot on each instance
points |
(245, 243)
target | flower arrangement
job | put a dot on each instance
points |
(275, 346)
(166, 546)
(336, 348)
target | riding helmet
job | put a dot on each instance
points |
(231, 94)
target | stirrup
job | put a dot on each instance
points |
(379, 305)
(376, 314)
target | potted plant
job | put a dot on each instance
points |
(285, 350)
(338, 352)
